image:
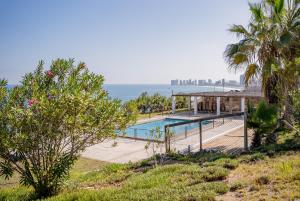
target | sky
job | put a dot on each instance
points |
(127, 41)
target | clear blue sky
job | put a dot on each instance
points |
(128, 41)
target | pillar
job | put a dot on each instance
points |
(173, 104)
(195, 106)
(218, 105)
(189, 103)
(243, 104)
(200, 101)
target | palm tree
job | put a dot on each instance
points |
(267, 46)
(263, 121)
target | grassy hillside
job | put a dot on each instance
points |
(270, 173)
(276, 178)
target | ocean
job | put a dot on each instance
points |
(127, 92)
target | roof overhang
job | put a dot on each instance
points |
(223, 94)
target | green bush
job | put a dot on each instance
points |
(252, 157)
(263, 120)
(50, 118)
(214, 173)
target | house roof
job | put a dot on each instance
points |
(222, 94)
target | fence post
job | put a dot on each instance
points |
(185, 131)
(213, 123)
(200, 133)
(167, 145)
(245, 132)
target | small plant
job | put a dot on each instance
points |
(227, 163)
(236, 186)
(155, 144)
(252, 158)
(114, 144)
(286, 168)
(263, 180)
(214, 173)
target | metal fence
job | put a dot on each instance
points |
(142, 134)
(223, 132)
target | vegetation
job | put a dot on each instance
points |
(127, 182)
(157, 104)
(263, 173)
(47, 120)
(269, 49)
(296, 105)
(263, 120)
(274, 178)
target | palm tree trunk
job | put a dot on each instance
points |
(288, 108)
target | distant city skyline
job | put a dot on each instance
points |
(129, 42)
(207, 82)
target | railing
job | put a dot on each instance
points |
(140, 134)
(198, 126)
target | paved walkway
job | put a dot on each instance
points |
(232, 143)
(119, 150)
(182, 143)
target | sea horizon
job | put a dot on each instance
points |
(126, 92)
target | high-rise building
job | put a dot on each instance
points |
(174, 82)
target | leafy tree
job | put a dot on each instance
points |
(263, 120)
(131, 110)
(181, 102)
(49, 119)
(266, 46)
(143, 102)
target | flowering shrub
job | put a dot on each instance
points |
(49, 119)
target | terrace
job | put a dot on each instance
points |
(203, 104)
(223, 134)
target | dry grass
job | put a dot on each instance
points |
(275, 178)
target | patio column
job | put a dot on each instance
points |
(189, 103)
(218, 105)
(195, 106)
(243, 104)
(173, 104)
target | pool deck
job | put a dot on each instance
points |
(126, 150)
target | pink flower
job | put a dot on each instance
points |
(50, 73)
(32, 102)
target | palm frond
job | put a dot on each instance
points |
(231, 50)
(239, 59)
(256, 11)
(278, 6)
(251, 72)
(286, 38)
(239, 30)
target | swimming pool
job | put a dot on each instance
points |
(143, 130)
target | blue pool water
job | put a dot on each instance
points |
(144, 130)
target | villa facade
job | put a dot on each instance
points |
(218, 102)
